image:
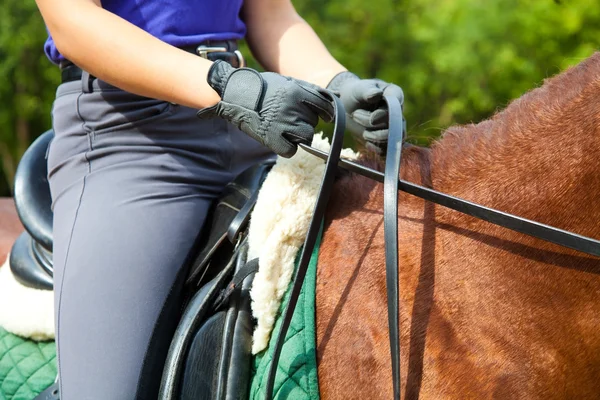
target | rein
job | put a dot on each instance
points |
(392, 184)
(518, 224)
(311, 237)
(390, 231)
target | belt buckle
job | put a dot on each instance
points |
(203, 51)
(240, 58)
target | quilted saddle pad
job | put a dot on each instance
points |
(297, 368)
(26, 367)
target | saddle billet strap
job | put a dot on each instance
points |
(241, 219)
(518, 224)
(311, 238)
(249, 268)
(233, 377)
(390, 231)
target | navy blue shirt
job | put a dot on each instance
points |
(177, 22)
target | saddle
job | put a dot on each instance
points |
(210, 353)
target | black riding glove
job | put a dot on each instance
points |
(276, 110)
(366, 111)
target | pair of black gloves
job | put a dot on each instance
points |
(281, 112)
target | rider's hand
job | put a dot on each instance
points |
(276, 110)
(366, 111)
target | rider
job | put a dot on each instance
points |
(133, 170)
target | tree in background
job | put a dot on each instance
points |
(27, 84)
(457, 60)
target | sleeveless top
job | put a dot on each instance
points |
(177, 22)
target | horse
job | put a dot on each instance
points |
(485, 312)
(10, 227)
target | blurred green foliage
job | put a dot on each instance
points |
(457, 60)
(27, 84)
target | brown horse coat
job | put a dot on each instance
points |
(10, 226)
(485, 312)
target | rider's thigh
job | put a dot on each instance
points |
(131, 181)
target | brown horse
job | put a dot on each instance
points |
(484, 312)
(10, 227)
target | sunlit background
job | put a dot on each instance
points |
(457, 60)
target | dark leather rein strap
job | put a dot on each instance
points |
(311, 238)
(522, 225)
(390, 232)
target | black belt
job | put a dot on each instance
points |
(211, 50)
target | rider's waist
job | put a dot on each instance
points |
(213, 50)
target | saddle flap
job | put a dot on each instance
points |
(230, 216)
(210, 354)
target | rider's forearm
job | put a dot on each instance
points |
(283, 42)
(122, 54)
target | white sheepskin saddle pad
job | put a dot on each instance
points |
(25, 311)
(278, 227)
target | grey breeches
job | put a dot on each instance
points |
(131, 180)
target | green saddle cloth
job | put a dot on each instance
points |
(26, 367)
(297, 368)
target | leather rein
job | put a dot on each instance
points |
(391, 185)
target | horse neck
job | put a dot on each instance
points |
(538, 158)
(458, 287)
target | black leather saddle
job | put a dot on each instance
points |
(210, 355)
